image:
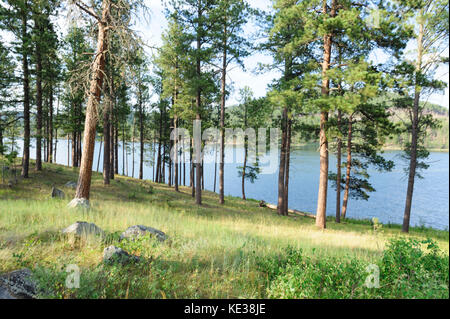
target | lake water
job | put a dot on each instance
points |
(430, 202)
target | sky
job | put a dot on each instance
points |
(151, 32)
(152, 27)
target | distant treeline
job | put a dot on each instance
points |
(436, 139)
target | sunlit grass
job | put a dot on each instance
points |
(211, 249)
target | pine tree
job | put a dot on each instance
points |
(430, 22)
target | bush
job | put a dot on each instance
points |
(408, 269)
(414, 269)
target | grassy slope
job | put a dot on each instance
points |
(212, 249)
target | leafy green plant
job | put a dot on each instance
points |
(408, 269)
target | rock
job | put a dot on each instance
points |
(71, 184)
(113, 254)
(17, 285)
(57, 193)
(79, 203)
(83, 230)
(139, 231)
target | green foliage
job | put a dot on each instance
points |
(408, 269)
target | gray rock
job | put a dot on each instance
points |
(139, 231)
(82, 203)
(83, 230)
(71, 184)
(113, 254)
(57, 193)
(17, 285)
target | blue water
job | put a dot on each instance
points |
(430, 201)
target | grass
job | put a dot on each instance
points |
(212, 251)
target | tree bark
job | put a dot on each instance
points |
(158, 165)
(50, 125)
(98, 69)
(1, 141)
(281, 171)
(222, 121)
(111, 139)
(99, 153)
(192, 171)
(116, 145)
(26, 96)
(349, 167)
(68, 150)
(176, 154)
(132, 143)
(74, 149)
(245, 154)
(321, 213)
(288, 160)
(338, 168)
(123, 149)
(414, 133)
(38, 101)
(107, 143)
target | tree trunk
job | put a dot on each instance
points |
(111, 139)
(222, 121)
(192, 171)
(99, 153)
(1, 141)
(107, 144)
(98, 69)
(38, 103)
(245, 153)
(79, 152)
(176, 154)
(74, 149)
(184, 165)
(123, 149)
(288, 160)
(26, 97)
(56, 134)
(414, 133)
(158, 161)
(338, 168)
(215, 167)
(132, 143)
(281, 171)
(349, 167)
(50, 125)
(321, 214)
(116, 145)
(68, 150)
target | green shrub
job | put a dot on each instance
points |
(414, 269)
(408, 269)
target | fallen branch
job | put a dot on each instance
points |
(292, 211)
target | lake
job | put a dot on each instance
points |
(430, 202)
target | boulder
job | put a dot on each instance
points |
(113, 254)
(82, 203)
(71, 184)
(83, 230)
(57, 193)
(139, 231)
(17, 285)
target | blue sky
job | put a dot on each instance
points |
(151, 32)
